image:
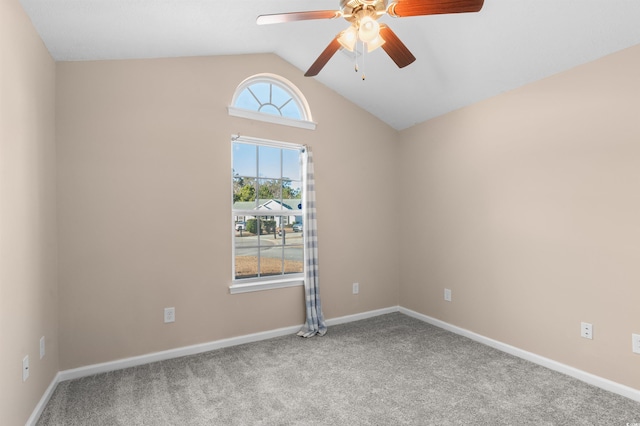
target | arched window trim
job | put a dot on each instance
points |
(305, 123)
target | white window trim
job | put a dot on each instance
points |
(266, 142)
(247, 285)
(269, 118)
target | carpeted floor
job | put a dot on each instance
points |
(388, 370)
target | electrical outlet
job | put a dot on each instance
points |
(356, 288)
(25, 368)
(635, 339)
(447, 295)
(586, 330)
(169, 315)
(42, 352)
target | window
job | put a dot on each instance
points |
(267, 214)
(271, 98)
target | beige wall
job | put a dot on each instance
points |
(28, 291)
(530, 212)
(527, 202)
(144, 188)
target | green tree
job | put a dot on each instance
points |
(269, 188)
(246, 193)
(244, 189)
(288, 191)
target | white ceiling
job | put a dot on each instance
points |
(461, 58)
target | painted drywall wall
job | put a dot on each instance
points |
(144, 205)
(28, 290)
(529, 209)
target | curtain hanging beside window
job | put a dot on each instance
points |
(314, 324)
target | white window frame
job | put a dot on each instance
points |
(245, 285)
(305, 123)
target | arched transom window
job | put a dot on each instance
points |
(271, 98)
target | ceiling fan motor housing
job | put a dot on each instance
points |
(354, 10)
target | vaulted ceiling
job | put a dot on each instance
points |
(461, 58)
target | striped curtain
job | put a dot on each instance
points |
(315, 319)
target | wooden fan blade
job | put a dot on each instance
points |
(395, 48)
(279, 18)
(403, 8)
(323, 58)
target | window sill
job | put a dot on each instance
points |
(253, 115)
(245, 287)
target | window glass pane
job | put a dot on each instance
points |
(262, 92)
(292, 237)
(292, 194)
(244, 160)
(291, 164)
(245, 238)
(279, 96)
(246, 263)
(289, 205)
(270, 189)
(267, 228)
(270, 165)
(247, 101)
(260, 227)
(270, 109)
(269, 98)
(291, 232)
(291, 110)
(293, 258)
(239, 225)
(244, 193)
(271, 260)
(251, 228)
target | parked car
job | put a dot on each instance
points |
(297, 227)
(240, 226)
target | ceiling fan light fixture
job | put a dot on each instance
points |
(375, 43)
(348, 38)
(368, 29)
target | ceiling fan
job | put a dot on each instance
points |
(363, 16)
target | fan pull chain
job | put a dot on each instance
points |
(364, 51)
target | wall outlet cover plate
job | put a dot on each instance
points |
(169, 315)
(635, 343)
(25, 368)
(586, 330)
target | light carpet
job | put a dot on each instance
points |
(387, 370)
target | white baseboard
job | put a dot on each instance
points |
(206, 347)
(90, 370)
(589, 378)
(120, 364)
(362, 315)
(37, 412)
